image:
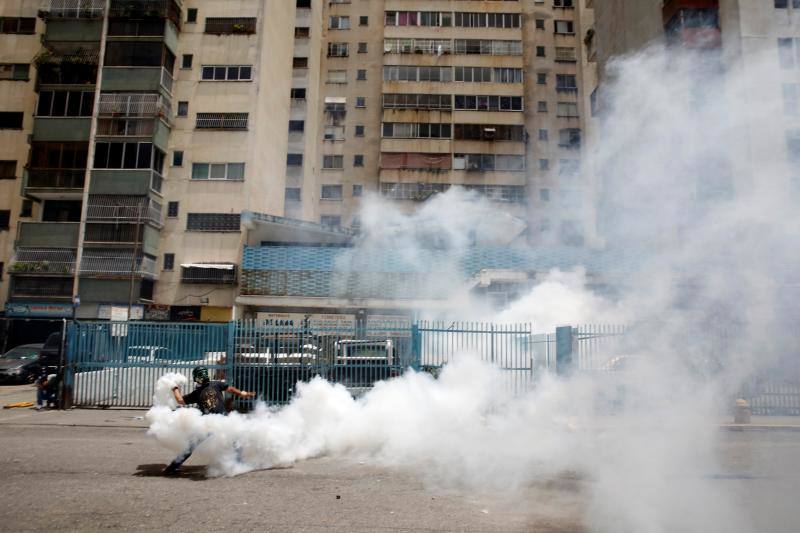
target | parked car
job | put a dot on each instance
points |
(21, 364)
(358, 364)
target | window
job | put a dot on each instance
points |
(539, 24)
(26, 25)
(335, 162)
(191, 15)
(333, 133)
(183, 109)
(11, 120)
(186, 61)
(177, 158)
(417, 101)
(544, 164)
(138, 54)
(362, 48)
(781, 3)
(565, 54)
(302, 62)
(567, 109)
(543, 136)
(218, 171)
(565, 27)
(304, 4)
(333, 221)
(230, 25)
(294, 160)
(569, 138)
(359, 131)
(222, 121)
(302, 33)
(172, 209)
(65, 104)
(544, 195)
(339, 23)
(562, 3)
(296, 126)
(363, 20)
(130, 155)
(169, 261)
(226, 73)
(414, 73)
(487, 132)
(59, 155)
(473, 74)
(541, 107)
(407, 130)
(470, 102)
(361, 101)
(331, 192)
(292, 194)
(479, 47)
(566, 83)
(14, 71)
(5, 219)
(297, 94)
(789, 53)
(487, 20)
(569, 167)
(361, 74)
(337, 76)
(334, 50)
(8, 170)
(541, 78)
(218, 222)
(540, 51)
(358, 160)
(27, 209)
(488, 162)
(358, 190)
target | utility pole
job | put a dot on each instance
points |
(139, 209)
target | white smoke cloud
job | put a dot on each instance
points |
(710, 308)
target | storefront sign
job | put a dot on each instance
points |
(317, 322)
(156, 312)
(38, 310)
(388, 326)
(119, 313)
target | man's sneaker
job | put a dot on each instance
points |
(38, 407)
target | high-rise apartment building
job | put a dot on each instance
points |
(416, 97)
(137, 131)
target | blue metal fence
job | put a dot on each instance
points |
(118, 364)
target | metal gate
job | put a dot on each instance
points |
(508, 346)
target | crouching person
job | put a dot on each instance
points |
(208, 398)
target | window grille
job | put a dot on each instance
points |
(222, 121)
(217, 222)
(229, 25)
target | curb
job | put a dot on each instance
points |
(759, 427)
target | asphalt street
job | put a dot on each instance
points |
(92, 470)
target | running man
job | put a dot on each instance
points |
(208, 397)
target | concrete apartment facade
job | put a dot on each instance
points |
(415, 97)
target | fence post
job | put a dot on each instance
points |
(416, 347)
(231, 352)
(68, 341)
(564, 363)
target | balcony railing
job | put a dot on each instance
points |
(113, 233)
(38, 287)
(72, 9)
(116, 208)
(140, 9)
(211, 273)
(222, 121)
(166, 80)
(134, 104)
(43, 261)
(61, 178)
(116, 263)
(126, 127)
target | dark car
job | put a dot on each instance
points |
(21, 364)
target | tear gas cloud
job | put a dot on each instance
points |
(715, 232)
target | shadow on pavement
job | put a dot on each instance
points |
(195, 473)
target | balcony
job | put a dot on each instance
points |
(123, 208)
(43, 261)
(144, 9)
(72, 9)
(39, 287)
(72, 65)
(59, 183)
(137, 182)
(136, 78)
(47, 235)
(209, 273)
(134, 105)
(61, 128)
(114, 263)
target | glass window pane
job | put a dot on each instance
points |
(233, 73)
(130, 155)
(235, 171)
(217, 171)
(199, 171)
(245, 73)
(145, 154)
(115, 155)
